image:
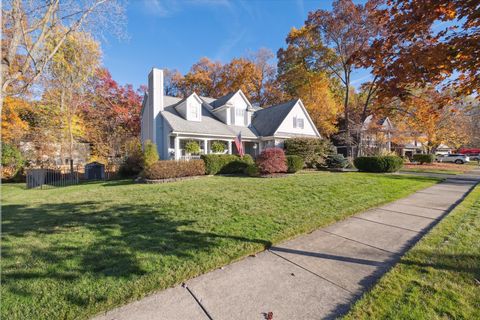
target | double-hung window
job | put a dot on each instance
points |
(298, 122)
(194, 112)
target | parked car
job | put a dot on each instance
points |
(473, 156)
(455, 158)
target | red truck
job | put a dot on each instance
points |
(473, 154)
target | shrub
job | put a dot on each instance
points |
(336, 161)
(294, 163)
(192, 147)
(217, 147)
(133, 163)
(424, 158)
(272, 160)
(252, 170)
(150, 154)
(313, 151)
(12, 161)
(379, 164)
(167, 169)
(226, 163)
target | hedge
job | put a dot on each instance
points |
(272, 160)
(252, 170)
(378, 164)
(294, 163)
(167, 169)
(226, 163)
(424, 158)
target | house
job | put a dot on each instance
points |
(171, 122)
(370, 137)
(376, 135)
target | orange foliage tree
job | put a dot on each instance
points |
(428, 42)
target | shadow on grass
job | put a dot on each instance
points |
(115, 238)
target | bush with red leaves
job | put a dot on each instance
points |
(272, 160)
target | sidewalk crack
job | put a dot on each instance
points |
(184, 285)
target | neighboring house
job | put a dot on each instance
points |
(371, 137)
(54, 154)
(376, 135)
(171, 122)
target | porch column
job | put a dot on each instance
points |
(229, 147)
(177, 148)
(205, 146)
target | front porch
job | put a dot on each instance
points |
(177, 148)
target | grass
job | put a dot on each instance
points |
(439, 278)
(76, 251)
(442, 168)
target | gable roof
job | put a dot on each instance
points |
(221, 101)
(209, 125)
(266, 121)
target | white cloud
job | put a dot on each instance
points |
(165, 8)
(228, 45)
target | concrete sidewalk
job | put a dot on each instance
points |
(315, 276)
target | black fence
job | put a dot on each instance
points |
(47, 178)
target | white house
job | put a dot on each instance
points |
(170, 122)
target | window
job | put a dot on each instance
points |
(298, 122)
(239, 112)
(194, 112)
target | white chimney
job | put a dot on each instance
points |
(155, 99)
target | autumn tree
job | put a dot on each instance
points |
(14, 126)
(431, 117)
(255, 75)
(68, 72)
(299, 78)
(428, 42)
(28, 25)
(111, 116)
(341, 37)
(203, 78)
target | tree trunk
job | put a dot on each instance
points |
(347, 115)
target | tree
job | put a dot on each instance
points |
(13, 126)
(266, 90)
(111, 116)
(203, 78)
(342, 36)
(28, 25)
(69, 70)
(431, 117)
(150, 153)
(428, 42)
(299, 78)
(254, 75)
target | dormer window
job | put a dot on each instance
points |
(193, 112)
(239, 112)
(298, 122)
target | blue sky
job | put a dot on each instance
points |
(175, 34)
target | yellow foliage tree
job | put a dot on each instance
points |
(13, 127)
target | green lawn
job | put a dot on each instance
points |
(439, 278)
(440, 171)
(76, 251)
